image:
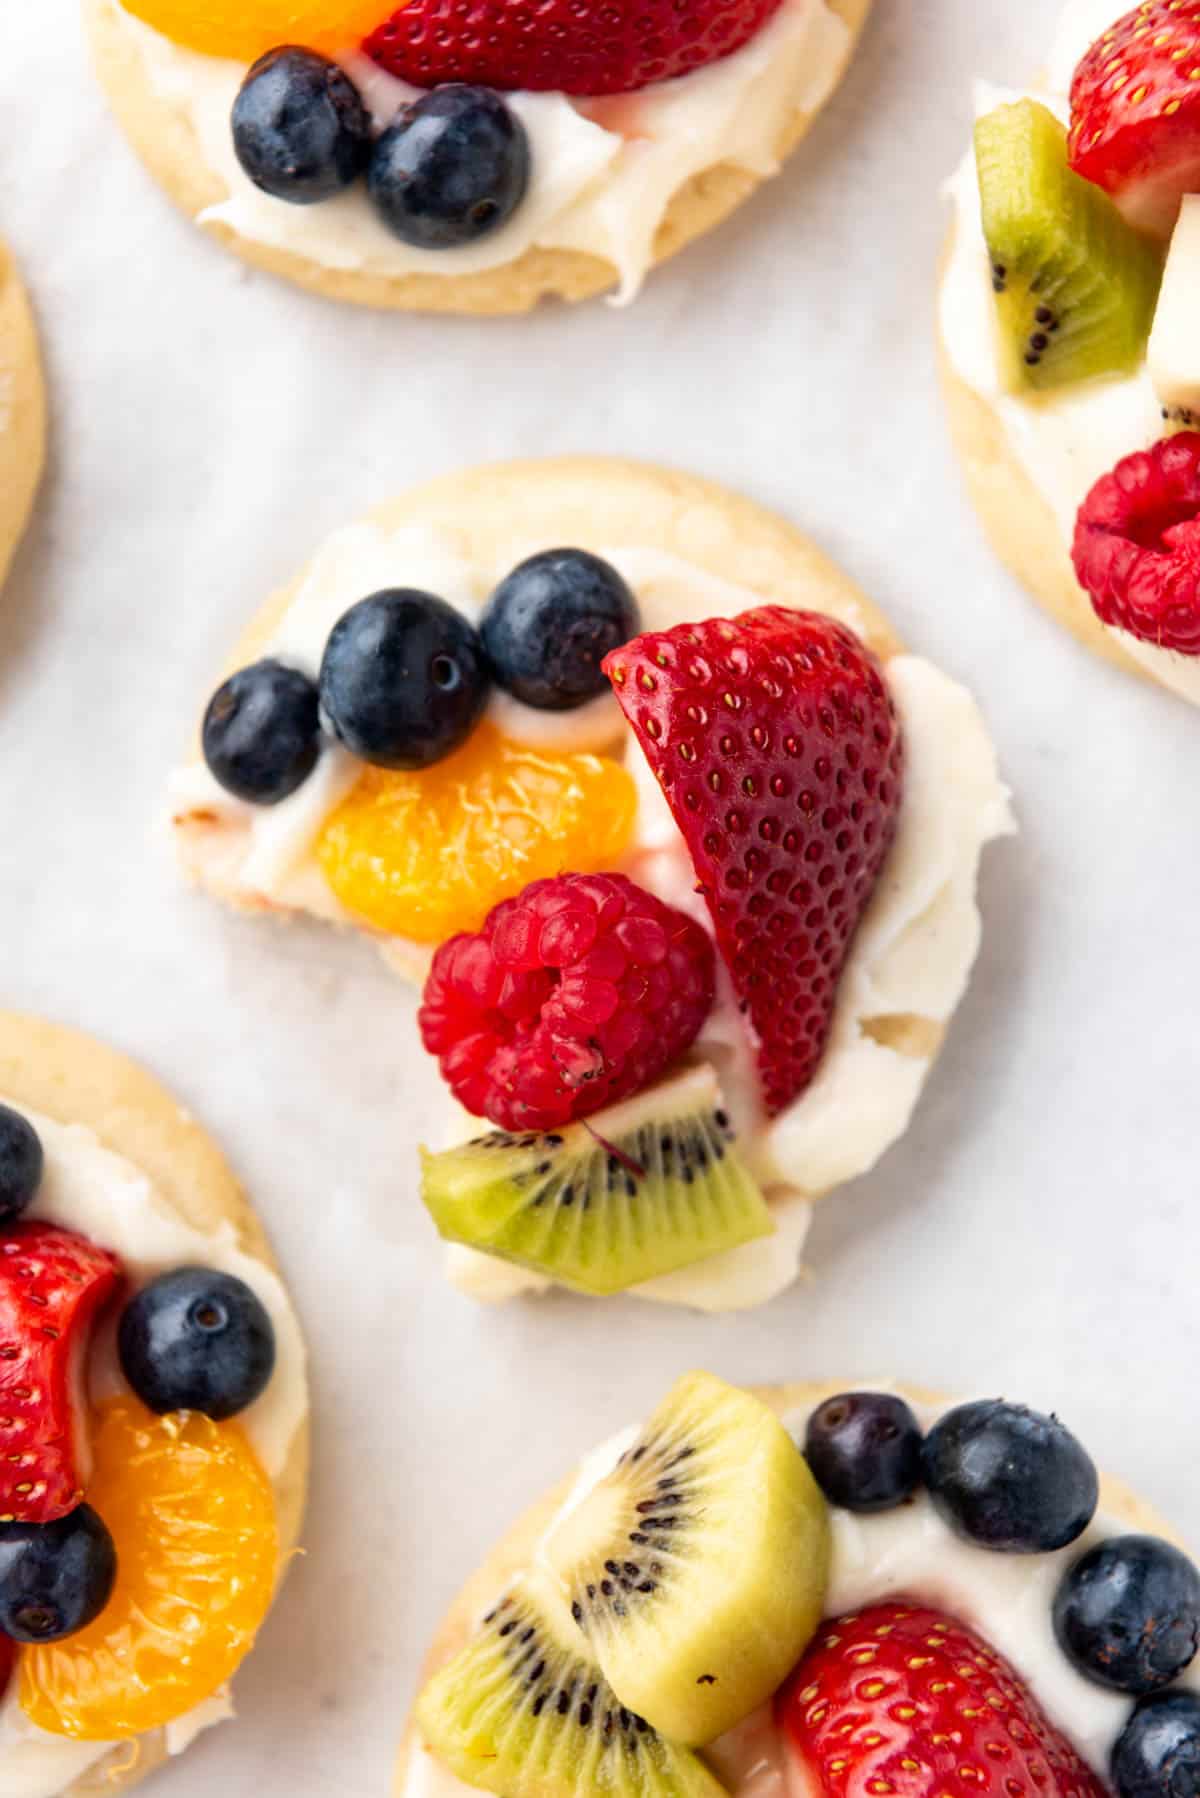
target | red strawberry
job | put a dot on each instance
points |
(777, 745)
(900, 1700)
(52, 1286)
(569, 46)
(1137, 544)
(1135, 112)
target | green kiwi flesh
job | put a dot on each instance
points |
(648, 1186)
(697, 1569)
(1075, 284)
(523, 1711)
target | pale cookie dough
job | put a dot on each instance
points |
(1019, 521)
(22, 411)
(516, 1548)
(167, 144)
(74, 1079)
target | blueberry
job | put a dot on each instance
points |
(54, 1577)
(196, 1340)
(551, 622)
(21, 1162)
(261, 732)
(300, 129)
(864, 1450)
(1127, 1614)
(1009, 1478)
(403, 679)
(453, 167)
(1158, 1752)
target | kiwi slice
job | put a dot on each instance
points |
(648, 1186)
(1075, 284)
(698, 1567)
(524, 1712)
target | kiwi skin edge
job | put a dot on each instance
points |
(514, 1550)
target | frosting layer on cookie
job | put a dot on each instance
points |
(906, 971)
(1067, 439)
(603, 172)
(88, 1188)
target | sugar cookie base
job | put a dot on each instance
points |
(22, 411)
(166, 142)
(74, 1079)
(515, 1550)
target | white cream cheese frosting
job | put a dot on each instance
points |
(1064, 440)
(594, 189)
(911, 957)
(87, 1188)
(904, 1553)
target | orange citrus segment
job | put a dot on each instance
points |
(427, 854)
(193, 1518)
(245, 29)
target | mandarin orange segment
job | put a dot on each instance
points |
(193, 1518)
(245, 29)
(426, 854)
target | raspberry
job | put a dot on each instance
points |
(580, 991)
(776, 743)
(585, 47)
(1137, 545)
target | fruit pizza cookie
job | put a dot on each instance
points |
(802, 1592)
(1069, 297)
(22, 410)
(681, 844)
(466, 155)
(153, 1417)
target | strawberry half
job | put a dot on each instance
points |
(53, 1284)
(1137, 544)
(902, 1700)
(567, 46)
(1135, 112)
(776, 743)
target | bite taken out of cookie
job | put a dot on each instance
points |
(466, 155)
(153, 1420)
(680, 843)
(1071, 362)
(807, 1590)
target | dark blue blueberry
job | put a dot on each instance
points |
(551, 622)
(261, 732)
(864, 1450)
(21, 1162)
(454, 166)
(54, 1577)
(196, 1340)
(1009, 1478)
(1127, 1614)
(1158, 1752)
(403, 679)
(300, 129)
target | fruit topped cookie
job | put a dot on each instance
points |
(153, 1416)
(678, 842)
(469, 156)
(841, 1594)
(1067, 314)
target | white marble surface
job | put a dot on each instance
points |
(1035, 1234)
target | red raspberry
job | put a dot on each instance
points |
(776, 743)
(1137, 544)
(578, 992)
(587, 47)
